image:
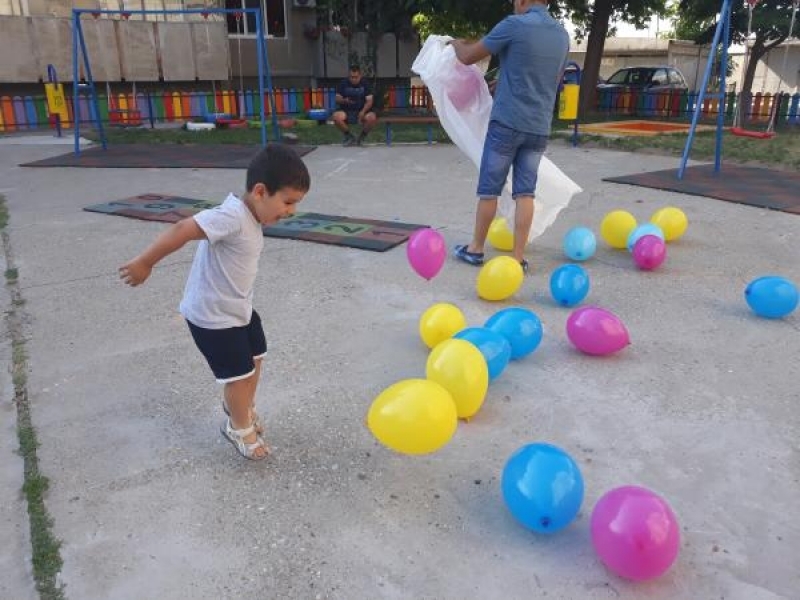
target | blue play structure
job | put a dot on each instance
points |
(78, 43)
(721, 40)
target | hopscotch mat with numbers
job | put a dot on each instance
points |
(353, 232)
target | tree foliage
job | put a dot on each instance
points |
(770, 27)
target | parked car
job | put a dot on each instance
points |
(655, 79)
(571, 75)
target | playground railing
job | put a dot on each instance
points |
(676, 104)
(19, 113)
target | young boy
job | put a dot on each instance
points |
(218, 299)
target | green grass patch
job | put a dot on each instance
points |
(781, 151)
(3, 212)
(45, 547)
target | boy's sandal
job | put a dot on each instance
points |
(472, 258)
(257, 423)
(236, 437)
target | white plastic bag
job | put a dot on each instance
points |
(465, 118)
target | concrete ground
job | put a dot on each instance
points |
(150, 501)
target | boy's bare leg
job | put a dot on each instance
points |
(239, 395)
(484, 215)
(523, 220)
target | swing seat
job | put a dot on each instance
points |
(129, 117)
(759, 135)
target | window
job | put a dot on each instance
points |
(273, 12)
(659, 77)
(676, 78)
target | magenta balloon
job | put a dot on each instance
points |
(649, 252)
(596, 331)
(635, 533)
(463, 86)
(426, 252)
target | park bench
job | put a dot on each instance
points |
(408, 105)
(408, 119)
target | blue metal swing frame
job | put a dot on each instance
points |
(79, 43)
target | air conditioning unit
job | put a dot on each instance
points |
(304, 3)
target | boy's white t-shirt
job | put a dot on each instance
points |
(219, 290)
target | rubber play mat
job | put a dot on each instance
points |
(161, 156)
(754, 186)
(354, 232)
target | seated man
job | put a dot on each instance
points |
(354, 97)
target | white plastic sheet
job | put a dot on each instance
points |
(464, 105)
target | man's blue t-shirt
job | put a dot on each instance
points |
(357, 93)
(533, 49)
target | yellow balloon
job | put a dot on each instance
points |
(440, 322)
(500, 235)
(459, 367)
(499, 278)
(673, 222)
(413, 416)
(616, 226)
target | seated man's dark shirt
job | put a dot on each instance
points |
(356, 93)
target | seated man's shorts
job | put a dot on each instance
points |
(505, 147)
(231, 353)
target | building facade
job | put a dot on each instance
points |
(187, 49)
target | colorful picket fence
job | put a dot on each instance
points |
(681, 104)
(30, 112)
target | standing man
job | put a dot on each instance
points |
(533, 50)
(354, 97)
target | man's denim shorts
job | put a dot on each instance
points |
(505, 147)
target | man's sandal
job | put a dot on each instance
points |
(236, 437)
(257, 422)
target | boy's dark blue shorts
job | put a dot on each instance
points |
(231, 353)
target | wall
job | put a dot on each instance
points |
(130, 51)
(150, 51)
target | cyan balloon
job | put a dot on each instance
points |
(542, 487)
(521, 327)
(580, 243)
(569, 284)
(496, 349)
(642, 230)
(772, 297)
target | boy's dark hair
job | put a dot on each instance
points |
(278, 166)
(354, 67)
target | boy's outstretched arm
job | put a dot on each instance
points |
(138, 270)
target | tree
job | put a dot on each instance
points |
(373, 17)
(770, 27)
(593, 19)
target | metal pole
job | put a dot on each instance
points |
(260, 51)
(724, 15)
(76, 19)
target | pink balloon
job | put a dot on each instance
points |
(463, 85)
(596, 331)
(635, 533)
(426, 252)
(649, 252)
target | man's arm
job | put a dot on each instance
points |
(340, 99)
(470, 52)
(138, 270)
(367, 104)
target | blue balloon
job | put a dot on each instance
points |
(569, 284)
(542, 487)
(496, 349)
(580, 243)
(772, 297)
(521, 327)
(641, 231)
